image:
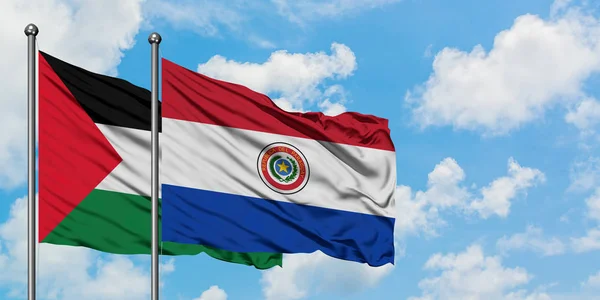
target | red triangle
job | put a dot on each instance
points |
(74, 155)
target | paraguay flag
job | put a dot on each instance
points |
(240, 174)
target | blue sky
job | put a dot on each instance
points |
(492, 108)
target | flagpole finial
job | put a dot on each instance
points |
(31, 29)
(154, 38)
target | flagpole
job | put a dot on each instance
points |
(31, 32)
(154, 39)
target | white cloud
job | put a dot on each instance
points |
(559, 6)
(589, 242)
(585, 175)
(69, 272)
(305, 274)
(315, 273)
(421, 211)
(261, 42)
(287, 105)
(586, 115)
(446, 191)
(443, 185)
(292, 79)
(334, 99)
(593, 206)
(213, 293)
(472, 275)
(496, 196)
(331, 109)
(215, 18)
(498, 91)
(524, 295)
(71, 30)
(201, 16)
(301, 11)
(532, 239)
(592, 282)
(428, 51)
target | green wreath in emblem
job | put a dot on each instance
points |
(288, 178)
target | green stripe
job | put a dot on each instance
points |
(120, 223)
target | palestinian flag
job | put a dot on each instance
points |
(94, 166)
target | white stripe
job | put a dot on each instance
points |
(132, 175)
(223, 159)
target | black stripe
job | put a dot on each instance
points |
(107, 100)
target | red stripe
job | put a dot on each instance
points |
(74, 155)
(190, 96)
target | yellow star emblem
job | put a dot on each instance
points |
(282, 167)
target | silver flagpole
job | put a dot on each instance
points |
(154, 39)
(31, 32)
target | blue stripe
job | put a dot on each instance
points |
(246, 224)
